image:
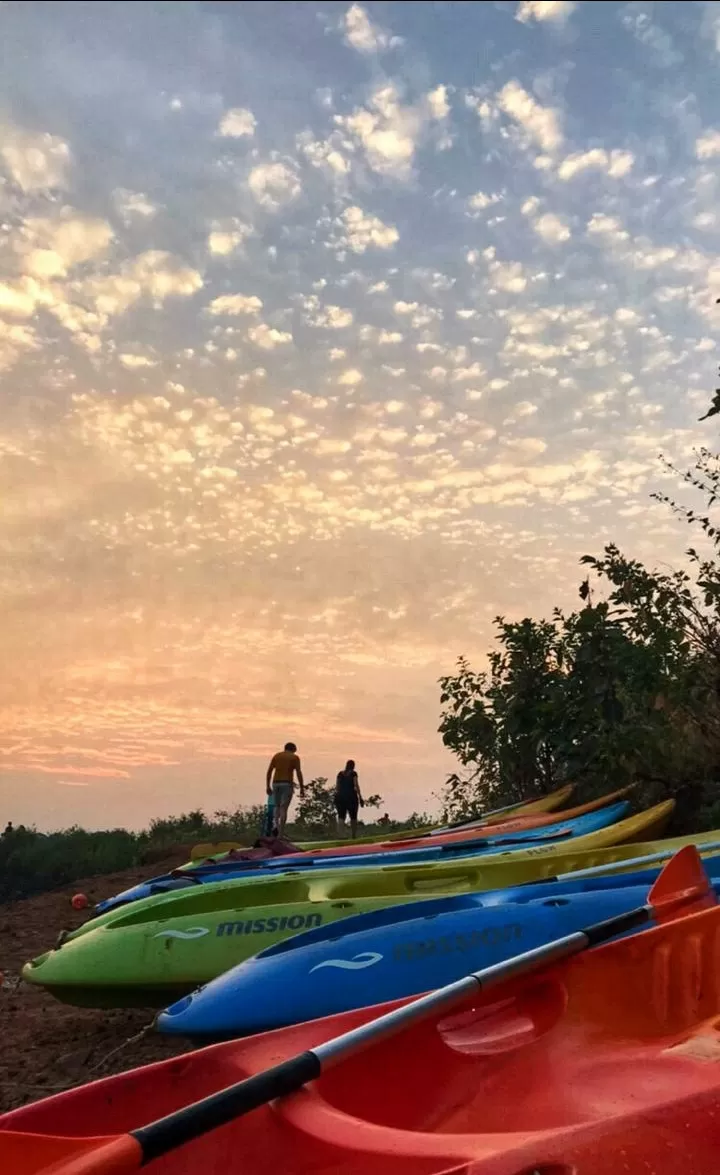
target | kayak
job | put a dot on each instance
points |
(219, 870)
(161, 947)
(148, 954)
(397, 952)
(540, 1074)
(510, 824)
(548, 803)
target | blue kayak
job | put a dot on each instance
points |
(399, 951)
(224, 870)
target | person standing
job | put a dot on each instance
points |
(348, 797)
(280, 783)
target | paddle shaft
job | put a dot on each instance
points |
(167, 1133)
(460, 824)
(628, 863)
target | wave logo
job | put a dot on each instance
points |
(357, 963)
(191, 932)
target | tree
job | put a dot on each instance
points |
(243, 823)
(609, 726)
(496, 722)
(715, 405)
(415, 819)
(625, 689)
(316, 809)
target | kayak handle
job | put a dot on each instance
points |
(454, 882)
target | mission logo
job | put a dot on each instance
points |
(270, 925)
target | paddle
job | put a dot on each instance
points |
(682, 881)
(458, 825)
(628, 864)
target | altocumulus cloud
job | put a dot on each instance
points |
(304, 382)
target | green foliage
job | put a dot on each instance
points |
(623, 690)
(32, 862)
(714, 408)
(414, 820)
(315, 810)
(314, 813)
(242, 824)
(385, 824)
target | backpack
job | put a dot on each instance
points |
(345, 781)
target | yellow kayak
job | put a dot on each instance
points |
(500, 870)
(647, 823)
(549, 803)
(205, 849)
(397, 883)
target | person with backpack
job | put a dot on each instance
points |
(348, 797)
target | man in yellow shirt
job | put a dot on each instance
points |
(279, 782)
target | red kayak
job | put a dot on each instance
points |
(608, 1061)
(512, 824)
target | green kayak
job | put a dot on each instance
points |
(148, 953)
(152, 951)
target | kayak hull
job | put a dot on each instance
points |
(542, 1074)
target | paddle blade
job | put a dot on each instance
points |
(683, 887)
(43, 1154)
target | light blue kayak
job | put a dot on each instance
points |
(399, 951)
(225, 870)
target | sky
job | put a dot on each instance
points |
(328, 332)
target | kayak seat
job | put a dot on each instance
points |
(505, 1026)
(628, 1098)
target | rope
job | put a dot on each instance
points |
(27, 1087)
(130, 1040)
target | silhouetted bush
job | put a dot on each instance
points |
(32, 862)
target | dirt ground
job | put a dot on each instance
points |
(48, 1046)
